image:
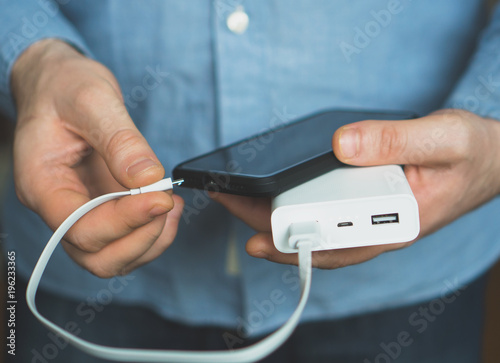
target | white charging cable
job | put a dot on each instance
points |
(251, 353)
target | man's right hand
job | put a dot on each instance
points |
(74, 140)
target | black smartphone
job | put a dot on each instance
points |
(267, 164)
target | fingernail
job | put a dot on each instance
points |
(349, 143)
(140, 166)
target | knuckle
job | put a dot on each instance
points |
(82, 240)
(122, 142)
(463, 134)
(466, 143)
(100, 269)
(24, 188)
(21, 196)
(391, 142)
(85, 95)
(328, 260)
(152, 234)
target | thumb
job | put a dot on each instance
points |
(424, 140)
(100, 118)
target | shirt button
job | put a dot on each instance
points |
(238, 20)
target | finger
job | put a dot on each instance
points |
(48, 184)
(262, 246)
(117, 218)
(256, 212)
(434, 139)
(97, 113)
(165, 239)
(41, 167)
(110, 260)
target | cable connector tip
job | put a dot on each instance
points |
(160, 186)
(178, 181)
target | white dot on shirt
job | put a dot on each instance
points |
(238, 21)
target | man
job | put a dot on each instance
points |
(80, 72)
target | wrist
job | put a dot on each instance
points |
(33, 61)
(495, 134)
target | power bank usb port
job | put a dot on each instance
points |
(385, 218)
(344, 224)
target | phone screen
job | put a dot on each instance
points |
(271, 162)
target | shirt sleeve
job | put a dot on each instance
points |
(478, 90)
(22, 23)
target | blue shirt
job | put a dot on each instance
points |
(191, 84)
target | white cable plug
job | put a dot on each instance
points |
(304, 231)
(251, 353)
(159, 186)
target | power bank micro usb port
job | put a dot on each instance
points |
(385, 218)
(345, 224)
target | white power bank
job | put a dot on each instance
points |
(353, 207)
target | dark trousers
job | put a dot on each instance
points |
(446, 329)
